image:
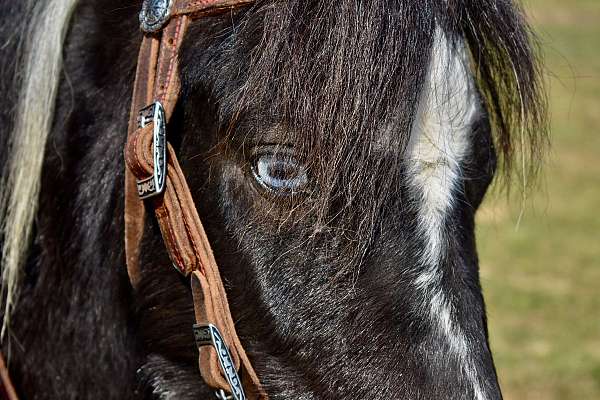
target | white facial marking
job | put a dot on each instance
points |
(439, 143)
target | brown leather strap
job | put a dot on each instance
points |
(200, 8)
(207, 310)
(7, 390)
(190, 252)
(187, 244)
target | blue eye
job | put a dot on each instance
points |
(280, 172)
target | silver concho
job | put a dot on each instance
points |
(209, 335)
(154, 14)
(155, 184)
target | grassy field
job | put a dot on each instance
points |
(541, 276)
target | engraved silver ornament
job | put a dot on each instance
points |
(155, 14)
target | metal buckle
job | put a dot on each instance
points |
(209, 335)
(155, 14)
(155, 184)
(221, 395)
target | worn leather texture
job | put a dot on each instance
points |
(182, 231)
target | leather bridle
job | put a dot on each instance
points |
(153, 176)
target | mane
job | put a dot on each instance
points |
(39, 75)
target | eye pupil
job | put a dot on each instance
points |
(283, 170)
(280, 172)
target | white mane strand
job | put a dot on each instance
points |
(41, 71)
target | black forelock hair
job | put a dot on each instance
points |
(508, 69)
(334, 78)
(329, 77)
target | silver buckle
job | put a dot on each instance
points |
(155, 14)
(209, 335)
(155, 184)
(221, 395)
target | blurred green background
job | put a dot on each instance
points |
(541, 273)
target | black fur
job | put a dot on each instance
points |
(320, 285)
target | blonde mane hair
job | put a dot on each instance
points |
(39, 75)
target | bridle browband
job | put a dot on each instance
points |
(153, 175)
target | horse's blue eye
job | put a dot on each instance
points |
(280, 172)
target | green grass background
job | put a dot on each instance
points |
(541, 273)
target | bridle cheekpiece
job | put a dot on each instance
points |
(153, 176)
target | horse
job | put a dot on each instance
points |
(337, 153)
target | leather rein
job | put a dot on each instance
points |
(153, 176)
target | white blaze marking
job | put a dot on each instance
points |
(439, 143)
